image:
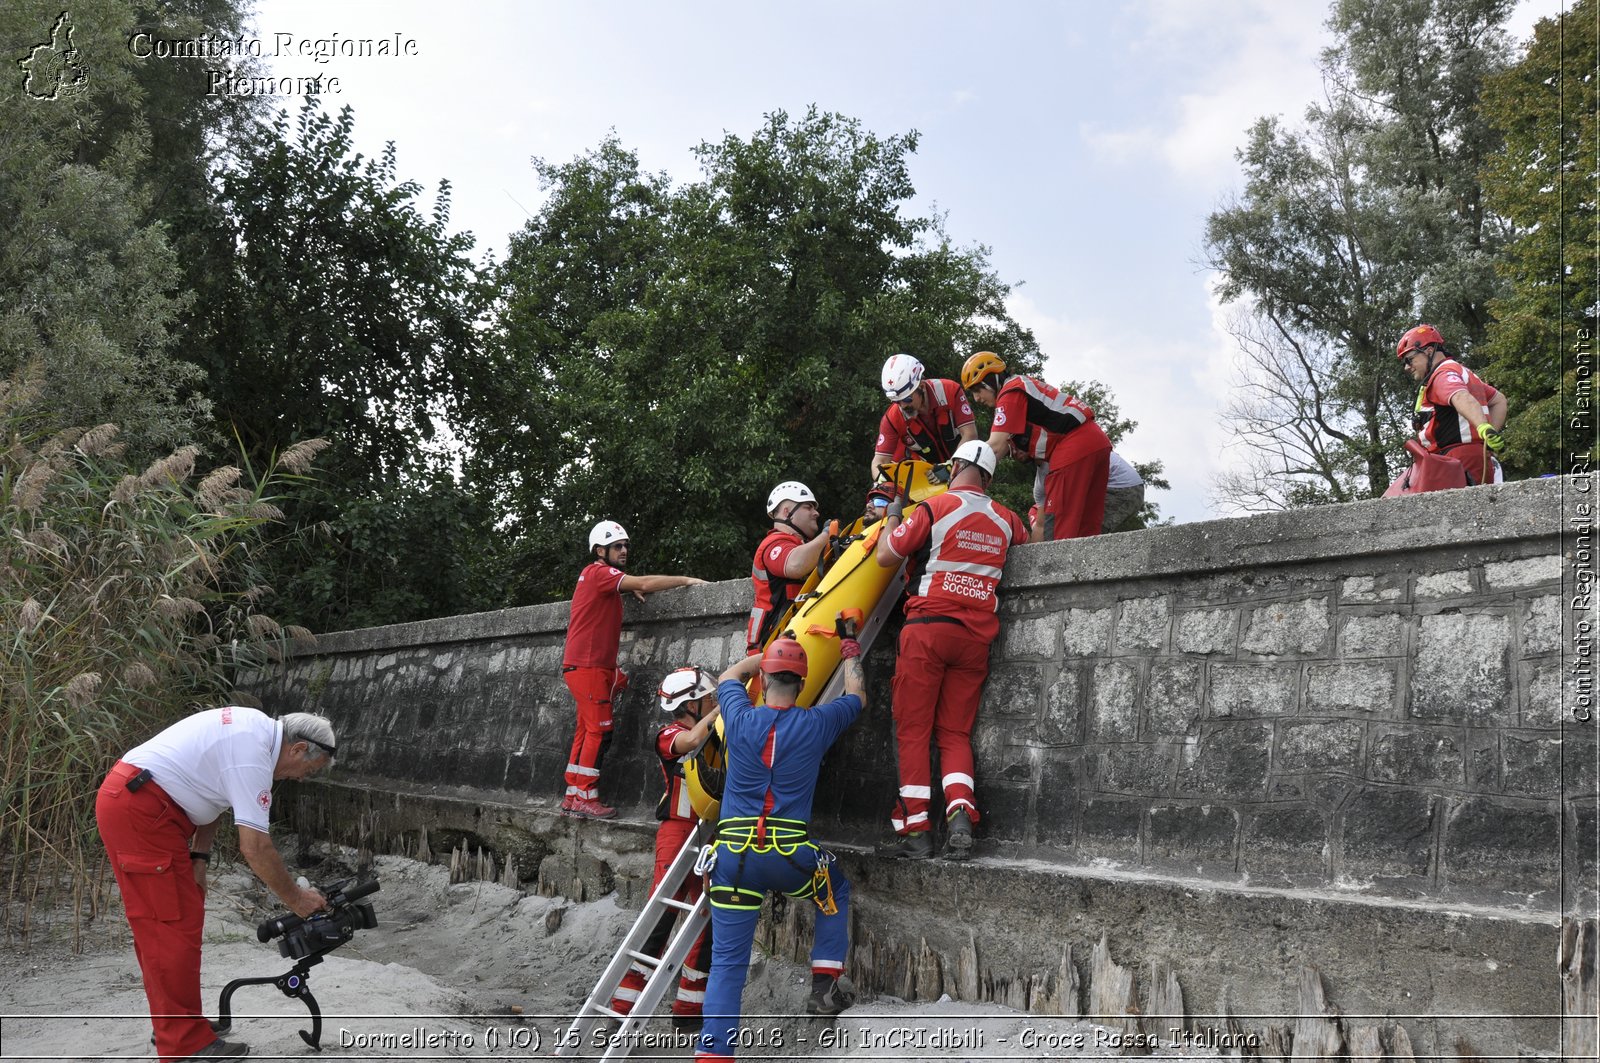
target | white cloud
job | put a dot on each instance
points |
(1254, 57)
(1170, 386)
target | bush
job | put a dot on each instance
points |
(127, 601)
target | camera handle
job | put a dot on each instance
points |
(297, 983)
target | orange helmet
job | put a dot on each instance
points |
(1419, 338)
(784, 655)
(979, 366)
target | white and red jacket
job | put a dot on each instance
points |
(1037, 415)
(957, 544)
(1438, 423)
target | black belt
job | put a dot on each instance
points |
(931, 620)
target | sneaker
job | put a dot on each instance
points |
(917, 845)
(590, 808)
(959, 844)
(567, 805)
(220, 1049)
(829, 995)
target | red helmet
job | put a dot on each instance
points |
(1419, 338)
(784, 655)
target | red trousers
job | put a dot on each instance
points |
(592, 689)
(670, 838)
(938, 679)
(1476, 460)
(147, 838)
(1075, 486)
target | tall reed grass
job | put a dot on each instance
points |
(128, 599)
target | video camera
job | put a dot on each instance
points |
(327, 930)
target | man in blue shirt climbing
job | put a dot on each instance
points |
(763, 841)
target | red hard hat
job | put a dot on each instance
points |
(1418, 338)
(784, 655)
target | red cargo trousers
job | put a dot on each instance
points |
(592, 689)
(938, 679)
(147, 837)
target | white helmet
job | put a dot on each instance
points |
(901, 376)
(606, 533)
(684, 684)
(789, 491)
(978, 452)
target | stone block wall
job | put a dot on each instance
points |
(1367, 697)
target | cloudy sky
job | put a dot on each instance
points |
(1084, 144)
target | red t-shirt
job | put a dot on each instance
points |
(1441, 424)
(932, 435)
(595, 630)
(1037, 415)
(957, 544)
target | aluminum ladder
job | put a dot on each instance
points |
(583, 1035)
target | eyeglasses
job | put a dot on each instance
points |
(908, 405)
(330, 750)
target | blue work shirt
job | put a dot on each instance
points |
(800, 737)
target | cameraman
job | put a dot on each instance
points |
(157, 811)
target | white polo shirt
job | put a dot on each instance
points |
(215, 760)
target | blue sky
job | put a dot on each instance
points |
(1084, 144)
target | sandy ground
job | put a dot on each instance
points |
(442, 977)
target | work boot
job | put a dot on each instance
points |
(567, 804)
(829, 995)
(958, 846)
(918, 845)
(216, 1027)
(220, 1049)
(591, 808)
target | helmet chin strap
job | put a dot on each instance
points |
(791, 524)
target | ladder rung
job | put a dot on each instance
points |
(603, 1010)
(681, 905)
(644, 958)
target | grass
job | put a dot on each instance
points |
(128, 599)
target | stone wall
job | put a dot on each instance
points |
(1341, 739)
(1365, 697)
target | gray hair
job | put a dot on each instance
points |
(303, 726)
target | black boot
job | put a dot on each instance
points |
(959, 845)
(915, 846)
(829, 995)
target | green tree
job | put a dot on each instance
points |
(90, 286)
(346, 312)
(1543, 181)
(1350, 229)
(665, 355)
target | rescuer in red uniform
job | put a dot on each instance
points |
(786, 556)
(928, 418)
(1456, 415)
(956, 543)
(1071, 454)
(689, 695)
(589, 660)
